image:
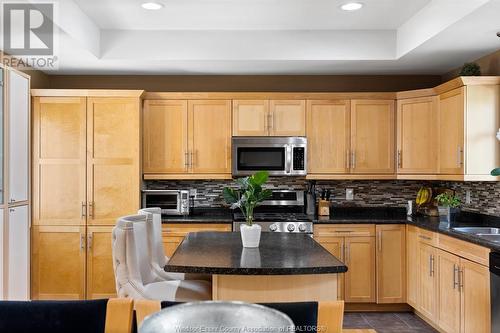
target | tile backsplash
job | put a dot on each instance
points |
(485, 196)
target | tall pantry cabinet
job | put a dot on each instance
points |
(85, 175)
(14, 185)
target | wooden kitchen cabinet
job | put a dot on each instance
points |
(360, 277)
(412, 266)
(475, 299)
(468, 121)
(174, 233)
(113, 176)
(391, 263)
(417, 141)
(209, 139)
(358, 254)
(58, 262)
(448, 292)
(269, 118)
(372, 136)
(451, 131)
(428, 282)
(187, 139)
(250, 117)
(328, 135)
(100, 274)
(336, 246)
(287, 118)
(59, 161)
(165, 145)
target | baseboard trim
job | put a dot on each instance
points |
(373, 307)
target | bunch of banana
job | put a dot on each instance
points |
(424, 196)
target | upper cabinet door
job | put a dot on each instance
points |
(19, 129)
(209, 123)
(165, 136)
(288, 118)
(59, 160)
(418, 135)
(451, 131)
(328, 124)
(372, 136)
(113, 158)
(250, 117)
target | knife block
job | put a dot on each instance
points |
(324, 208)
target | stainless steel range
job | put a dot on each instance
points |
(283, 212)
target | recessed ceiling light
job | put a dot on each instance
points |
(152, 5)
(350, 6)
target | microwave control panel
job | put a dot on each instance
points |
(298, 158)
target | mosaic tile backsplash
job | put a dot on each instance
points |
(485, 196)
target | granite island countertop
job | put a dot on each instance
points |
(278, 254)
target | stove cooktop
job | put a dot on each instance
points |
(276, 217)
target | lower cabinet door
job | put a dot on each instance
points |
(475, 285)
(100, 273)
(391, 259)
(427, 298)
(336, 246)
(360, 276)
(448, 292)
(58, 262)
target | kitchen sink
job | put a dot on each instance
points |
(490, 237)
(479, 230)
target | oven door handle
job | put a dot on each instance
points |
(288, 159)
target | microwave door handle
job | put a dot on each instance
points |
(288, 162)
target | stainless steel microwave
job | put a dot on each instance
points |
(280, 156)
(171, 202)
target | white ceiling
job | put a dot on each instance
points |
(274, 36)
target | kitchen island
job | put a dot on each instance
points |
(285, 268)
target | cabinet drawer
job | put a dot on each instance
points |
(464, 249)
(427, 237)
(341, 230)
(181, 230)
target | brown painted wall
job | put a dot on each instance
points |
(490, 65)
(231, 83)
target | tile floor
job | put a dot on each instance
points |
(404, 322)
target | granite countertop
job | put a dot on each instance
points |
(278, 254)
(364, 215)
(464, 220)
(202, 215)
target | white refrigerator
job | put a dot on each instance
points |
(14, 185)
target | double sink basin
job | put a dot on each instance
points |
(486, 233)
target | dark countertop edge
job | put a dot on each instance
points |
(256, 271)
(361, 221)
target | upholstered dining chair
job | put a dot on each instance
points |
(155, 243)
(93, 316)
(134, 275)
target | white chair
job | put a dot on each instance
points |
(158, 257)
(133, 272)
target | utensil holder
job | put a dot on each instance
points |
(324, 208)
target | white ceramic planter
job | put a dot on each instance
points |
(250, 235)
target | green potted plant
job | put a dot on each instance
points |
(249, 195)
(448, 206)
(496, 171)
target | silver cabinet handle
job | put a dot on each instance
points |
(82, 242)
(91, 210)
(89, 241)
(380, 241)
(348, 158)
(459, 156)
(186, 159)
(84, 209)
(400, 162)
(269, 124)
(353, 159)
(432, 265)
(461, 279)
(455, 276)
(424, 237)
